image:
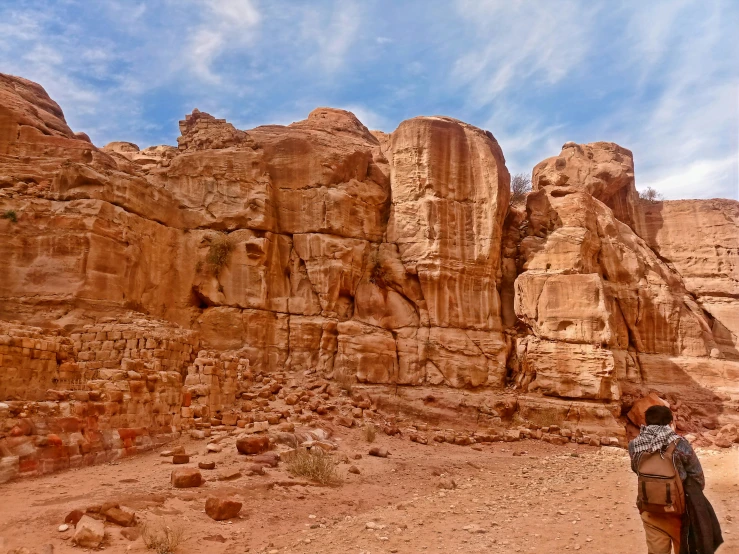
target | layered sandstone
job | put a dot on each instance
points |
(605, 314)
(700, 240)
(323, 249)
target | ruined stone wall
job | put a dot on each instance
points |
(32, 362)
(213, 384)
(117, 391)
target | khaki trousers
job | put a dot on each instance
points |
(662, 531)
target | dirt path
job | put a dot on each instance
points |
(434, 499)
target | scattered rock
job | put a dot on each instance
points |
(73, 517)
(215, 538)
(252, 444)
(345, 421)
(131, 533)
(89, 532)
(271, 459)
(640, 407)
(186, 477)
(727, 436)
(354, 469)
(447, 484)
(229, 474)
(256, 469)
(180, 459)
(379, 452)
(222, 508)
(63, 527)
(125, 517)
(207, 465)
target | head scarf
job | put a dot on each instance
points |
(654, 437)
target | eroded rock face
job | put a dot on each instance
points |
(386, 258)
(700, 240)
(602, 308)
(602, 169)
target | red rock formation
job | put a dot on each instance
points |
(386, 258)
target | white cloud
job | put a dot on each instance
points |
(226, 24)
(329, 41)
(686, 138)
(701, 178)
(370, 118)
(517, 41)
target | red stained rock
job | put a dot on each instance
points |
(186, 477)
(222, 508)
(252, 444)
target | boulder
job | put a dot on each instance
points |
(727, 436)
(640, 407)
(220, 509)
(123, 516)
(379, 451)
(252, 444)
(89, 532)
(186, 477)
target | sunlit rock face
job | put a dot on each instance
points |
(388, 258)
(601, 292)
(700, 240)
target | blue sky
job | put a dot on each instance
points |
(658, 77)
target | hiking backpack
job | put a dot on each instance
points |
(660, 487)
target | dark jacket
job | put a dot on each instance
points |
(701, 533)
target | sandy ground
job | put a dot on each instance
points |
(547, 500)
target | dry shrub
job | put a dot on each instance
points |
(650, 196)
(11, 215)
(345, 382)
(313, 464)
(520, 187)
(162, 536)
(218, 252)
(370, 432)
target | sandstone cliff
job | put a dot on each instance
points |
(388, 259)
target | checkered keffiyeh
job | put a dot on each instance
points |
(654, 437)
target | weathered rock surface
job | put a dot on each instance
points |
(185, 477)
(252, 445)
(222, 508)
(89, 532)
(323, 249)
(700, 240)
(605, 312)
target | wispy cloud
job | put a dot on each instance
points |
(226, 24)
(331, 38)
(517, 43)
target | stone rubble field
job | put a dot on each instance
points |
(526, 496)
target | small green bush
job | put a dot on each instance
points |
(11, 215)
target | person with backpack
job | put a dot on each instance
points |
(673, 509)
